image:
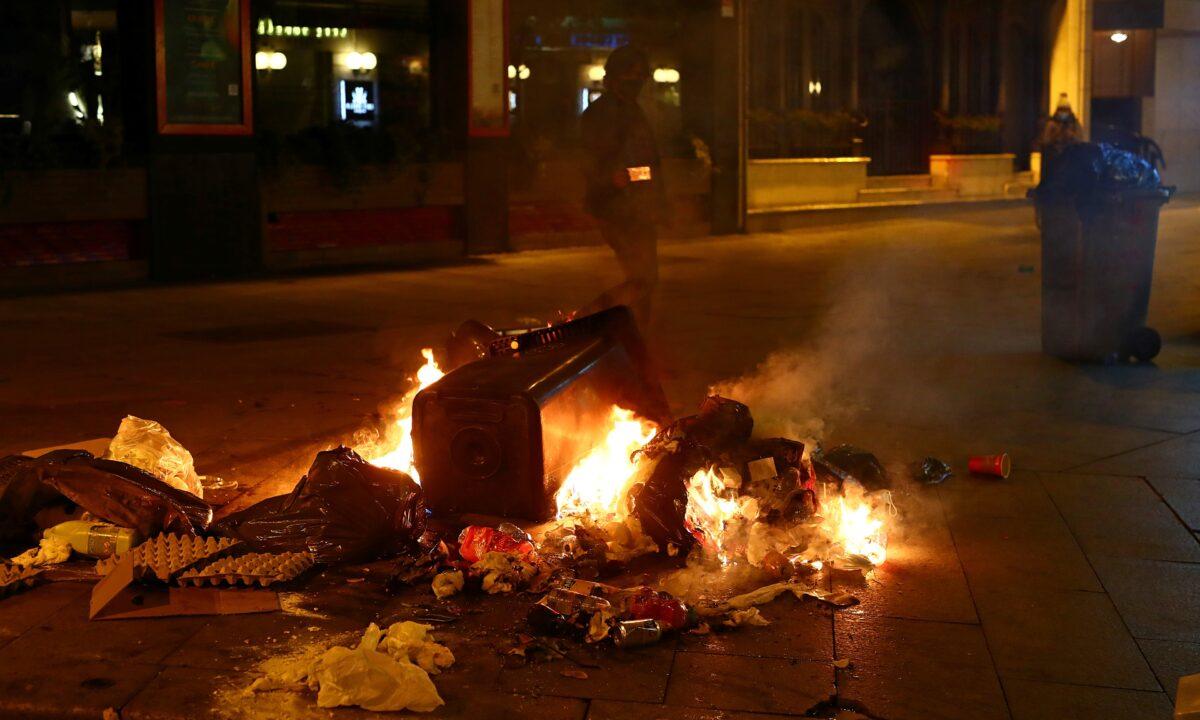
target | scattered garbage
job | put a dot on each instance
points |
(991, 465)
(50, 551)
(594, 612)
(447, 584)
(475, 541)
(147, 445)
(388, 671)
(14, 578)
(343, 510)
(702, 483)
(931, 471)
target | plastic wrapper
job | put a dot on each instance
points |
(147, 445)
(848, 461)
(114, 491)
(931, 471)
(343, 510)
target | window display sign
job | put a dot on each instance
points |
(202, 50)
(356, 101)
(487, 23)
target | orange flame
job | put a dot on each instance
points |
(709, 512)
(857, 528)
(598, 484)
(400, 454)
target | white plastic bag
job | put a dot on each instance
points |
(147, 445)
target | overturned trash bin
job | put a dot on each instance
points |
(1099, 210)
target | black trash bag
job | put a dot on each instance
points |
(22, 495)
(660, 504)
(1122, 169)
(721, 427)
(344, 510)
(847, 461)
(931, 471)
(114, 491)
(1083, 172)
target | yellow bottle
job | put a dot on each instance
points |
(96, 539)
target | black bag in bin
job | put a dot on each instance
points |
(343, 510)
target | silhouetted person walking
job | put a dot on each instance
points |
(624, 183)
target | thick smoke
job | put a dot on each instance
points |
(828, 377)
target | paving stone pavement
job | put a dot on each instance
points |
(1066, 591)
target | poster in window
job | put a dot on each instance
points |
(202, 50)
(487, 28)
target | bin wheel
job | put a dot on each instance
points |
(1142, 344)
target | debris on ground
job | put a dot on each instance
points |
(931, 471)
(749, 616)
(50, 551)
(725, 509)
(447, 583)
(387, 671)
(14, 578)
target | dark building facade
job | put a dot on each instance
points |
(395, 131)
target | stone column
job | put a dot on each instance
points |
(1071, 56)
(728, 198)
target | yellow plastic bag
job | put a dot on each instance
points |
(147, 445)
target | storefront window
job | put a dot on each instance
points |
(558, 52)
(60, 91)
(343, 84)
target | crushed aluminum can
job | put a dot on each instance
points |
(636, 633)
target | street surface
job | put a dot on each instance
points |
(1067, 591)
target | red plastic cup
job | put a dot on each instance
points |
(995, 465)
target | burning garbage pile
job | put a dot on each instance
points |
(560, 434)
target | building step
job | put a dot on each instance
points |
(899, 181)
(906, 194)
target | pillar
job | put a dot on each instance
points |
(203, 209)
(1169, 116)
(729, 120)
(1071, 56)
(483, 152)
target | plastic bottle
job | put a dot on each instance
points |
(92, 538)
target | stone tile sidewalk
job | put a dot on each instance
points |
(1068, 590)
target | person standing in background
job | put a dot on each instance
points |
(624, 181)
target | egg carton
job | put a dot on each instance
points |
(251, 569)
(14, 578)
(165, 556)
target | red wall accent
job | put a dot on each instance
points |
(24, 244)
(360, 228)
